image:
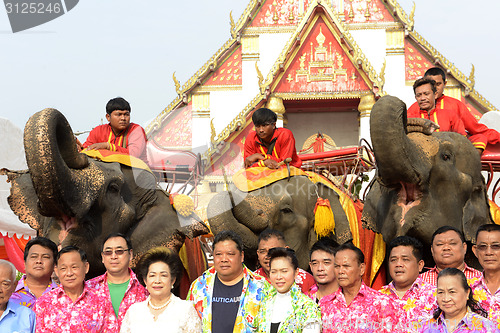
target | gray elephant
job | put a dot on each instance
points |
(286, 205)
(76, 200)
(423, 181)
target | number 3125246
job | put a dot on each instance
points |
(33, 8)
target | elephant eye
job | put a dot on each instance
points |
(446, 157)
(113, 188)
(286, 210)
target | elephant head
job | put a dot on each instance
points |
(76, 200)
(423, 181)
(285, 205)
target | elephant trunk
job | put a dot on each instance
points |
(399, 160)
(51, 153)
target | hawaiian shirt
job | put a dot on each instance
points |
(488, 301)
(472, 322)
(303, 279)
(432, 274)
(135, 292)
(254, 289)
(369, 311)
(22, 295)
(305, 312)
(313, 292)
(418, 303)
(90, 313)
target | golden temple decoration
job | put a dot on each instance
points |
(232, 25)
(276, 104)
(382, 73)
(367, 10)
(351, 12)
(260, 77)
(365, 105)
(411, 19)
(472, 79)
(212, 133)
(177, 84)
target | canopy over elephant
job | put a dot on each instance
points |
(76, 200)
(423, 181)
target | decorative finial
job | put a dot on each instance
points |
(320, 38)
(232, 25)
(177, 84)
(411, 20)
(382, 73)
(212, 132)
(351, 12)
(367, 11)
(260, 76)
(472, 79)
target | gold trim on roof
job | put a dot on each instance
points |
(320, 95)
(371, 26)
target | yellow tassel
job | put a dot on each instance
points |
(182, 203)
(324, 222)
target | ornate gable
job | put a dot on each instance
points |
(366, 11)
(176, 130)
(228, 73)
(416, 63)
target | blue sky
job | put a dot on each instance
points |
(102, 49)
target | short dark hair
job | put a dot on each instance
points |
(447, 228)
(72, 248)
(422, 81)
(434, 71)
(325, 244)
(263, 116)
(283, 252)
(415, 244)
(117, 234)
(350, 246)
(269, 233)
(471, 303)
(160, 254)
(42, 241)
(117, 103)
(229, 235)
(488, 228)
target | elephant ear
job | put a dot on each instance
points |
(22, 199)
(339, 204)
(476, 212)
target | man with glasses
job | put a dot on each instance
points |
(118, 285)
(486, 289)
(268, 145)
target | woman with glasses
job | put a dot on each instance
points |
(286, 308)
(161, 270)
(457, 311)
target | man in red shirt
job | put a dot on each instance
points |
(119, 134)
(426, 94)
(268, 145)
(479, 134)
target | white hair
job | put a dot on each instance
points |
(12, 268)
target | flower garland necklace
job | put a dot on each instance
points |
(160, 306)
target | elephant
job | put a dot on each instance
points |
(286, 205)
(77, 200)
(423, 181)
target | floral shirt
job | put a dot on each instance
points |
(369, 311)
(418, 302)
(432, 274)
(254, 289)
(472, 322)
(135, 292)
(303, 279)
(305, 312)
(22, 295)
(313, 293)
(90, 313)
(488, 301)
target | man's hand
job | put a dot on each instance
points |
(79, 145)
(271, 164)
(253, 158)
(100, 145)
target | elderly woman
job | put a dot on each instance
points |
(457, 311)
(161, 271)
(286, 308)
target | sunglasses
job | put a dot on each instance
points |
(118, 252)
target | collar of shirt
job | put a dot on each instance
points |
(466, 321)
(62, 294)
(22, 285)
(339, 295)
(274, 137)
(476, 282)
(417, 284)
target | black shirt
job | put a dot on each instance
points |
(225, 304)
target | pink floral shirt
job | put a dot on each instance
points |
(418, 303)
(23, 295)
(432, 274)
(135, 292)
(303, 280)
(90, 313)
(313, 292)
(488, 301)
(369, 311)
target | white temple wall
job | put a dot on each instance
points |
(270, 46)
(372, 42)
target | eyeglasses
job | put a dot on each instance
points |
(118, 252)
(484, 247)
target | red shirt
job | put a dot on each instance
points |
(432, 274)
(132, 141)
(135, 292)
(447, 120)
(304, 280)
(284, 147)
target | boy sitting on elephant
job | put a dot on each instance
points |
(268, 145)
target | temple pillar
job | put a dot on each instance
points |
(365, 107)
(276, 104)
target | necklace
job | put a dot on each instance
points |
(161, 306)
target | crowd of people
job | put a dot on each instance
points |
(278, 297)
